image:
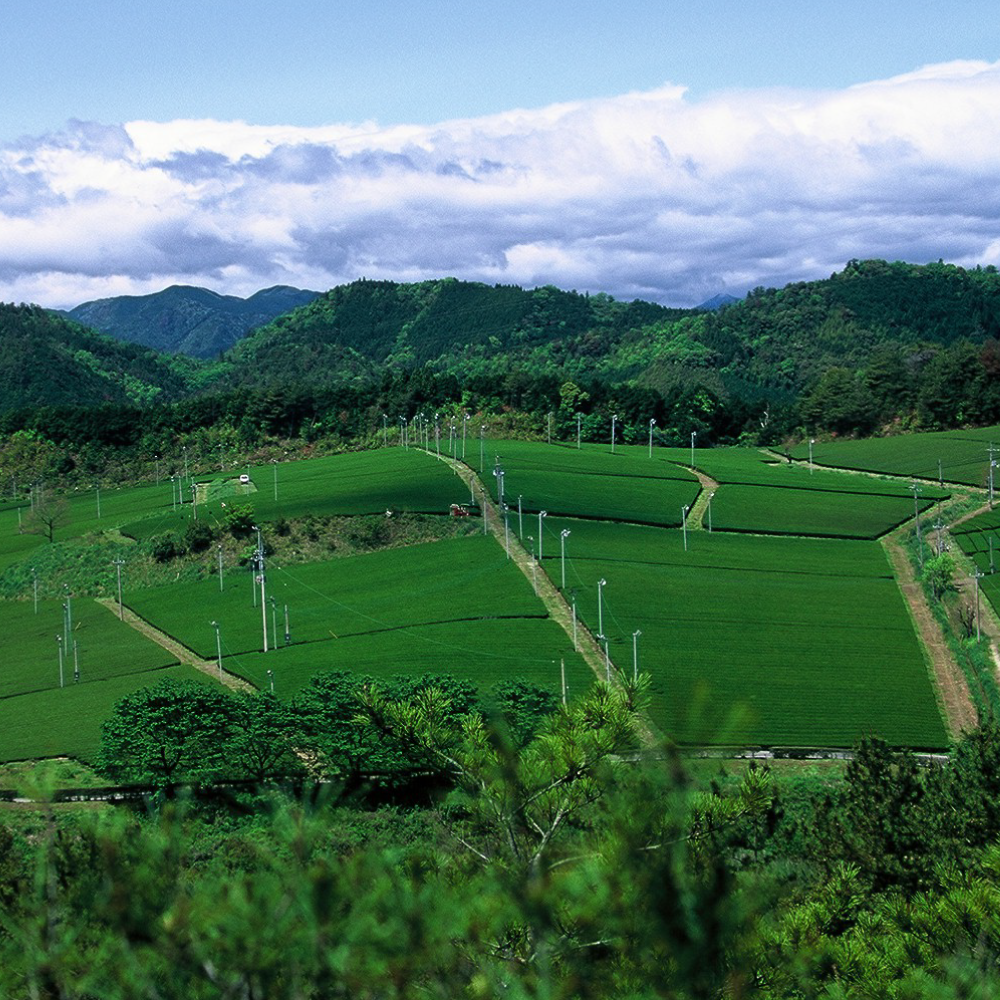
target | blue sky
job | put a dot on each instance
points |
(664, 150)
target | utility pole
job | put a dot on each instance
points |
(614, 418)
(600, 604)
(684, 526)
(385, 431)
(550, 427)
(694, 434)
(916, 517)
(652, 424)
(59, 643)
(576, 648)
(710, 495)
(541, 514)
(563, 535)
(979, 574)
(261, 580)
(579, 416)
(812, 441)
(520, 518)
(218, 646)
(635, 654)
(121, 609)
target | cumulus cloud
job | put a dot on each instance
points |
(647, 194)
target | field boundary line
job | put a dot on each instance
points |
(695, 519)
(951, 687)
(557, 606)
(188, 657)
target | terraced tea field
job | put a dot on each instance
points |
(777, 641)
(963, 455)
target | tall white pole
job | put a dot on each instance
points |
(576, 648)
(684, 526)
(579, 416)
(121, 610)
(710, 495)
(520, 518)
(541, 514)
(218, 646)
(652, 424)
(614, 418)
(59, 641)
(600, 604)
(694, 434)
(563, 535)
(635, 654)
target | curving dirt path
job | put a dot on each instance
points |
(696, 515)
(186, 656)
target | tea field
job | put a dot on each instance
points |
(776, 641)
(758, 633)
(963, 455)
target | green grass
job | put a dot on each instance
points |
(590, 482)
(963, 455)
(106, 648)
(483, 652)
(67, 722)
(775, 641)
(751, 467)
(454, 580)
(808, 512)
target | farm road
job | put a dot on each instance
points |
(708, 487)
(172, 646)
(556, 605)
(959, 710)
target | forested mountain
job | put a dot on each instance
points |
(873, 346)
(47, 360)
(456, 326)
(187, 320)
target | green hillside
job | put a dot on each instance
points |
(185, 320)
(46, 360)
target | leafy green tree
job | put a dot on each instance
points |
(263, 738)
(173, 731)
(939, 574)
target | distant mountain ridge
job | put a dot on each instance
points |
(184, 319)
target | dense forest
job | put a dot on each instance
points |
(410, 839)
(876, 348)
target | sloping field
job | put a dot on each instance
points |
(483, 652)
(67, 722)
(457, 606)
(356, 483)
(751, 467)
(106, 648)
(770, 510)
(590, 482)
(455, 580)
(963, 455)
(776, 641)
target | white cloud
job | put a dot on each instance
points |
(649, 194)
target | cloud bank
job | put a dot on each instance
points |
(647, 195)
